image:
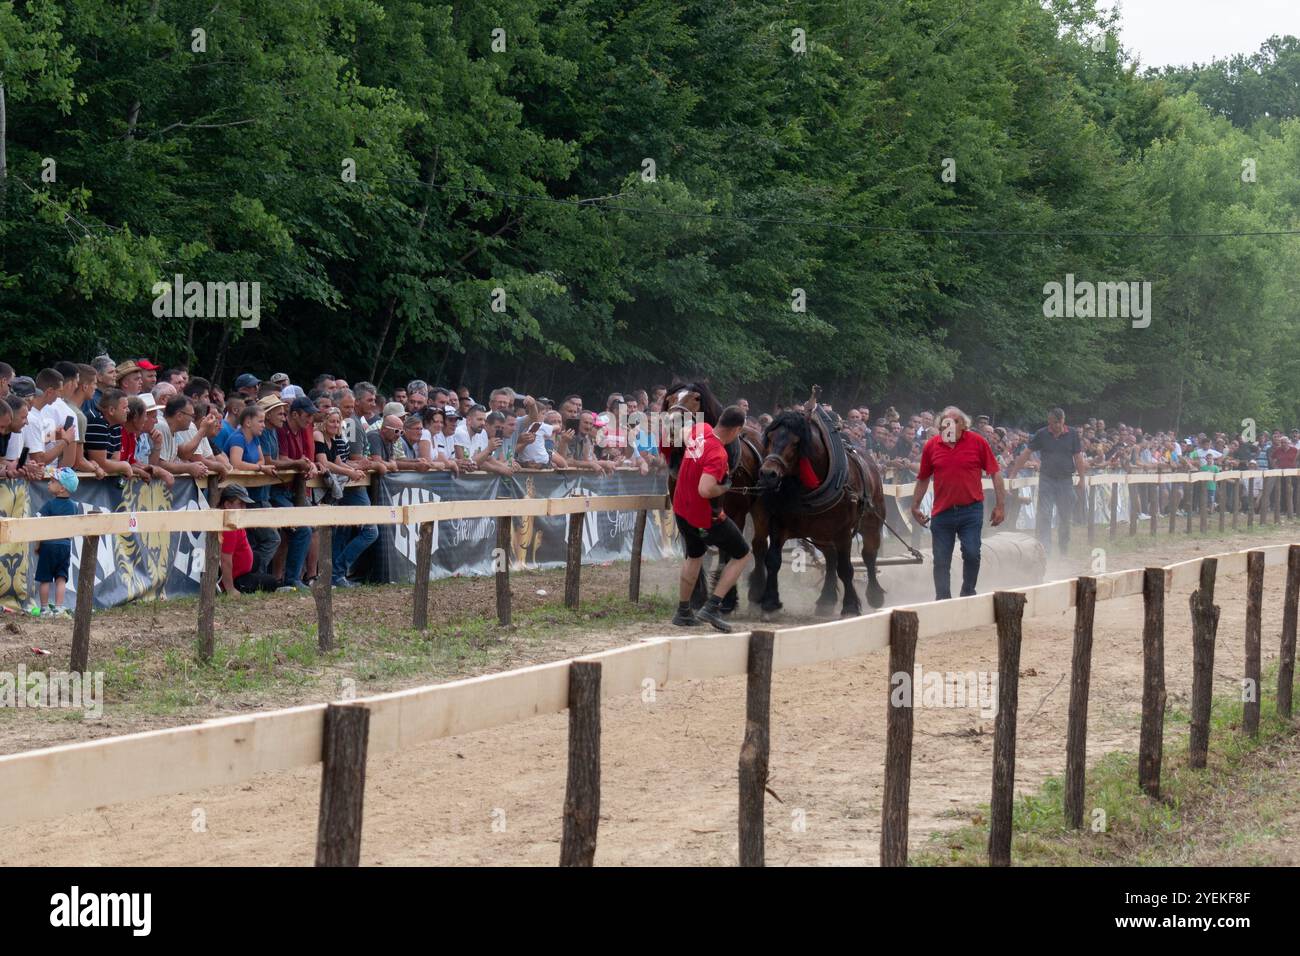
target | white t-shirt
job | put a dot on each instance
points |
(473, 444)
(535, 451)
(62, 412)
(38, 433)
(444, 446)
(171, 442)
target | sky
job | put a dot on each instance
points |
(1164, 32)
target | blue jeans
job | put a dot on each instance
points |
(350, 542)
(299, 540)
(964, 522)
(1055, 494)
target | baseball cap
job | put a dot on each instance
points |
(303, 404)
(247, 380)
(279, 378)
(236, 490)
(147, 365)
(68, 479)
(395, 408)
(450, 411)
(268, 402)
(290, 392)
(23, 386)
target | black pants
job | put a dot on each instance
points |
(255, 581)
(724, 536)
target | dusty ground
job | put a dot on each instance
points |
(669, 772)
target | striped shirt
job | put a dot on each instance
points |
(101, 436)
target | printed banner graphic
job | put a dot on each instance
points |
(133, 566)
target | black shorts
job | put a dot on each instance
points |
(724, 536)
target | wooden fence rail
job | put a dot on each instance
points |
(70, 778)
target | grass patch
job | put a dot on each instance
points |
(1121, 824)
(286, 665)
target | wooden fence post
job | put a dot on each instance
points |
(899, 718)
(634, 570)
(1151, 743)
(1276, 498)
(504, 523)
(1155, 504)
(1008, 608)
(1254, 614)
(322, 589)
(1114, 510)
(423, 565)
(1076, 736)
(208, 594)
(1236, 502)
(1205, 623)
(1091, 513)
(1286, 658)
(85, 604)
(756, 747)
(342, 784)
(582, 791)
(1250, 502)
(1134, 499)
(1175, 502)
(1220, 501)
(573, 562)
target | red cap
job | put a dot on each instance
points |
(147, 365)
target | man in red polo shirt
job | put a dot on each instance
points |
(957, 458)
(697, 506)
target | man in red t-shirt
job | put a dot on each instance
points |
(957, 458)
(237, 572)
(697, 506)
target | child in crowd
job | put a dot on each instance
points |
(52, 557)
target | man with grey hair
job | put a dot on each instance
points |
(417, 395)
(956, 459)
(1060, 454)
(105, 377)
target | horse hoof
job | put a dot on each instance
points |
(851, 612)
(876, 598)
(823, 610)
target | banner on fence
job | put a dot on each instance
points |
(467, 545)
(129, 566)
(132, 566)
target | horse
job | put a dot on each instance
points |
(859, 507)
(696, 400)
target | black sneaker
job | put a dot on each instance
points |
(711, 614)
(685, 618)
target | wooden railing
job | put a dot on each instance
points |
(67, 779)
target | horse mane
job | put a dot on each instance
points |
(794, 422)
(710, 407)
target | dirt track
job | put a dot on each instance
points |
(669, 775)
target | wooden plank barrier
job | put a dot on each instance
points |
(69, 778)
(756, 747)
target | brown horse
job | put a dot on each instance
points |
(684, 404)
(859, 507)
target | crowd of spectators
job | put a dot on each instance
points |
(135, 420)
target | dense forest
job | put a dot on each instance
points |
(867, 194)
